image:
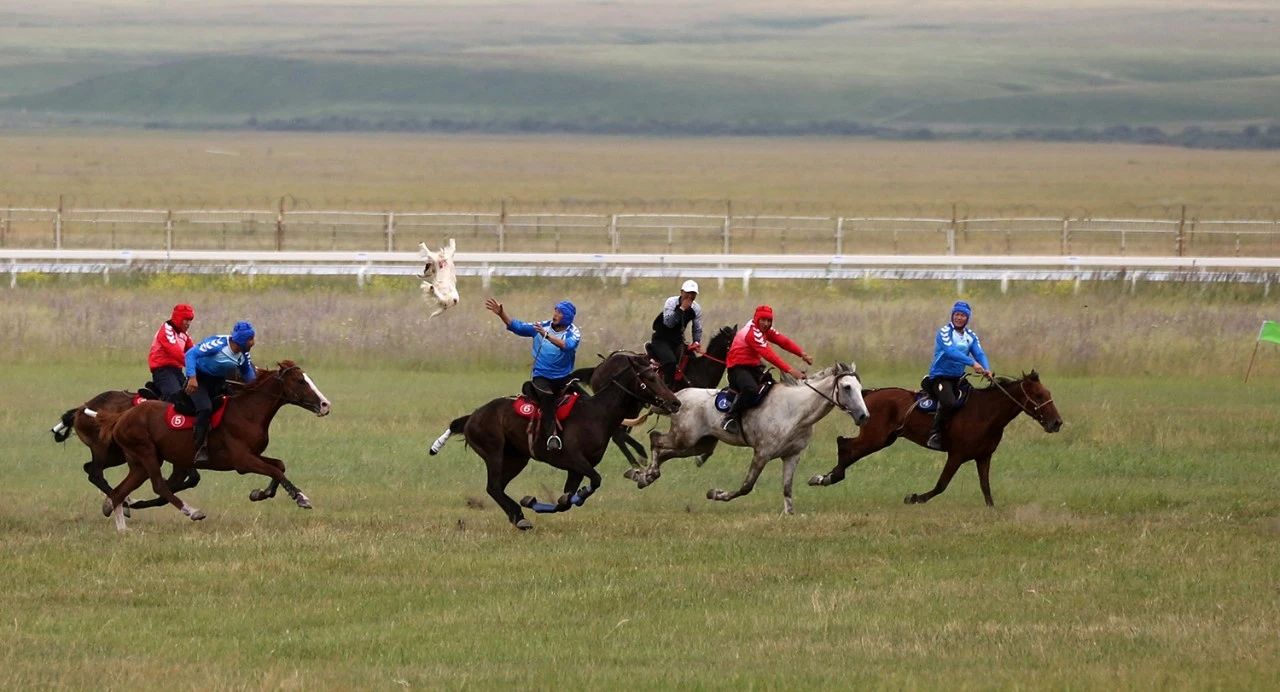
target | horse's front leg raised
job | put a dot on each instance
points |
(244, 461)
(258, 495)
(953, 462)
(181, 478)
(748, 483)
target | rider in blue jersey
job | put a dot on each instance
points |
(554, 348)
(955, 347)
(208, 366)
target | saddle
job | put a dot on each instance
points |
(527, 407)
(927, 404)
(682, 359)
(726, 396)
(184, 418)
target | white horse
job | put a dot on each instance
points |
(439, 278)
(780, 427)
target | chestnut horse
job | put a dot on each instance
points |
(103, 454)
(146, 440)
(502, 438)
(973, 432)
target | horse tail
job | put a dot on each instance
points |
(62, 430)
(455, 426)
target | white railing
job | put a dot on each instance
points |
(281, 230)
(626, 266)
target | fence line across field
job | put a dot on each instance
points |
(635, 232)
(626, 266)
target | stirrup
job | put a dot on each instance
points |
(731, 425)
(553, 442)
(934, 441)
(202, 455)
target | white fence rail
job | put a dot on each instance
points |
(626, 266)
(281, 230)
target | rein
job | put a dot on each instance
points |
(834, 384)
(1032, 412)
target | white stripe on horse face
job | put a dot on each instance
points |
(324, 402)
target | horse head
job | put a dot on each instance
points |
(295, 387)
(639, 376)
(847, 393)
(1038, 402)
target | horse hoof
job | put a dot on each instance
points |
(197, 515)
(524, 524)
(630, 474)
(715, 494)
(565, 501)
(303, 501)
(817, 479)
(910, 499)
(107, 507)
(257, 495)
(528, 501)
(702, 459)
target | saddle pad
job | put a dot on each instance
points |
(182, 421)
(525, 408)
(927, 404)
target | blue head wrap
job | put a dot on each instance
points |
(962, 306)
(566, 308)
(241, 333)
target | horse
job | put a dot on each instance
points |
(146, 440)
(439, 277)
(780, 427)
(695, 370)
(82, 420)
(503, 440)
(973, 432)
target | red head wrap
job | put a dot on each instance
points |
(763, 312)
(182, 311)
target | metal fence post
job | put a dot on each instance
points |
(168, 230)
(502, 231)
(613, 234)
(839, 235)
(391, 231)
(1182, 222)
(57, 226)
(951, 232)
(279, 229)
(1064, 244)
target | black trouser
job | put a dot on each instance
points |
(945, 391)
(667, 355)
(169, 382)
(209, 387)
(548, 391)
(745, 380)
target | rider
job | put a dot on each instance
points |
(750, 344)
(169, 354)
(555, 347)
(954, 348)
(668, 328)
(208, 366)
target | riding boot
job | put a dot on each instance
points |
(149, 392)
(202, 434)
(548, 402)
(935, 434)
(731, 424)
(669, 373)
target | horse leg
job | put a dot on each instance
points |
(953, 462)
(789, 465)
(179, 479)
(984, 478)
(247, 462)
(114, 504)
(258, 495)
(501, 470)
(849, 450)
(757, 465)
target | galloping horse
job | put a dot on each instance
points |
(501, 437)
(699, 371)
(146, 440)
(103, 454)
(973, 433)
(780, 427)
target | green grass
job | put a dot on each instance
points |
(1135, 549)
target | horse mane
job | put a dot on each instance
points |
(264, 374)
(836, 369)
(1003, 380)
(722, 338)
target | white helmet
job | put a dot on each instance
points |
(690, 286)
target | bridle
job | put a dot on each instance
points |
(1034, 411)
(279, 375)
(650, 401)
(835, 390)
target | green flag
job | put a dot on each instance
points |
(1270, 332)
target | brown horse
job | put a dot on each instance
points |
(502, 438)
(237, 444)
(973, 432)
(104, 454)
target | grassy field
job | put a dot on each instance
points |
(665, 67)
(610, 174)
(1135, 549)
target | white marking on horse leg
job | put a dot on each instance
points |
(192, 512)
(118, 515)
(59, 428)
(439, 443)
(90, 413)
(324, 401)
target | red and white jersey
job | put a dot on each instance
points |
(751, 344)
(169, 348)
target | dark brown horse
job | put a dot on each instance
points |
(699, 371)
(502, 438)
(973, 432)
(104, 454)
(146, 441)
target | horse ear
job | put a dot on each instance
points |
(1034, 376)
